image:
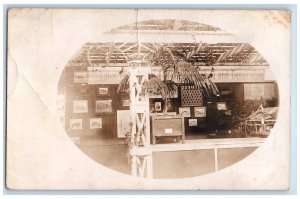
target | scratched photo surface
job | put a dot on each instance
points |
(143, 99)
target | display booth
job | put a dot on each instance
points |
(166, 96)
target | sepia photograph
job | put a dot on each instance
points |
(103, 106)
(157, 106)
(76, 124)
(200, 111)
(184, 111)
(126, 102)
(193, 122)
(80, 106)
(148, 99)
(95, 123)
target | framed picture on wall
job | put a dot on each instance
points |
(221, 106)
(169, 105)
(80, 106)
(200, 111)
(76, 124)
(126, 102)
(174, 91)
(157, 106)
(193, 122)
(123, 123)
(103, 106)
(102, 91)
(185, 111)
(95, 123)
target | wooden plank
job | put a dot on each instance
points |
(209, 144)
(216, 159)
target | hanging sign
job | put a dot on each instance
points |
(238, 75)
(104, 77)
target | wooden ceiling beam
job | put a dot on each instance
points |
(109, 53)
(127, 49)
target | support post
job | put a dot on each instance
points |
(139, 151)
(216, 159)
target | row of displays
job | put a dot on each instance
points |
(95, 123)
(186, 111)
(105, 106)
(123, 119)
(101, 106)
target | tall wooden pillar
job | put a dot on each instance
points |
(139, 147)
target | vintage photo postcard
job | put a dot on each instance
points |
(146, 99)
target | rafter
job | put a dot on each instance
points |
(133, 46)
(149, 49)
(109, 53)
(196, 53)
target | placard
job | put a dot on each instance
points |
(103, 91)
(168, 131)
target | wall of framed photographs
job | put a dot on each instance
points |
(91, 109)
(194, 112)
(200, 113)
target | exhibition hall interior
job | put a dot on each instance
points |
(190, 101)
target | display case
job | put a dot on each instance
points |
(167, 126)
